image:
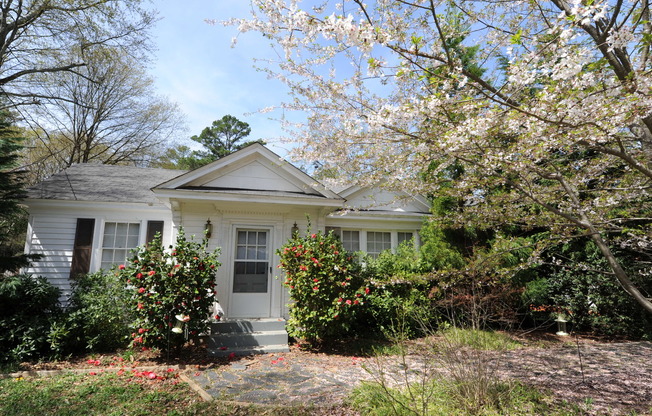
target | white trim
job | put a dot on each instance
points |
(248, 196)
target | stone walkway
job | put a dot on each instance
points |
(610, 378)
(284, 379)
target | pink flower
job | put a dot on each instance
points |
(93, 373)
(141, 330)
(232, 356)
(139, 275)
(367, 290)
(313, 235)
(348, 301)
(315, 288)
(141, 290)
(121, 267)
(151, 273)
(302, 267)
(315, 280)
(151, 375)
(356, 302)
(140, 306)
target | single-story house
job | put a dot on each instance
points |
(89, 216)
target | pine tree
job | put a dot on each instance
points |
(12, 191)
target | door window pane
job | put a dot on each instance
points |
(252, 263)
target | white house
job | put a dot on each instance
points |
(90, 216)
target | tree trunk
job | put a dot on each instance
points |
(620, 274)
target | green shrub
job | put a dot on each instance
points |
(169, 288)
(594, 301)
(99, 316)
(29, 306)
(326, 287)
(402, 306)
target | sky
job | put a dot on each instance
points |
(196, 67)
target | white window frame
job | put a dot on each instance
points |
(391, 242)
(142, 231)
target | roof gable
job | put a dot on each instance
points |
(378, 199)
(254, 168)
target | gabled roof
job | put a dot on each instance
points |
(254, 171)
(105, 183)
(379, 199)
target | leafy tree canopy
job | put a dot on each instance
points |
(222, 138)
(541, 109)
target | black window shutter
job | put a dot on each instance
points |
(153, 227)
(81, 253)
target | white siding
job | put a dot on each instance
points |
(53, 237)
(254, 176)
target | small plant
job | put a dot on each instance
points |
(326, 286)
(170, 288)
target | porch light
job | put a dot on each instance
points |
(295, 229)
(208, 228)
(561, 325)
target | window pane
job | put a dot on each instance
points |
(404, 237)
(251, 237)
(378, 242)
(241, 252)
(262, 239)
(119, 239)
(351, 240)
(242, 237)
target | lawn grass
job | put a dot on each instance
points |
(100, 394)
(479, 339)
(438, 397)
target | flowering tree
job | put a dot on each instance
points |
(536, 113)
(173, 291)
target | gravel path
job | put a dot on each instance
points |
(607, 378)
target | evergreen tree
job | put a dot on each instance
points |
(12, 191)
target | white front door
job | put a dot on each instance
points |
(250, 284)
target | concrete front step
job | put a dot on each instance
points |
(248, 325)
(248, 336)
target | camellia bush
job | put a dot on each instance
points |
(326, 286)
(172, 291)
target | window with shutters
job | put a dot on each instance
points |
(119, 239)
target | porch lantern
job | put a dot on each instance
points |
(208, 228)
(561, 325)
(295, 229)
